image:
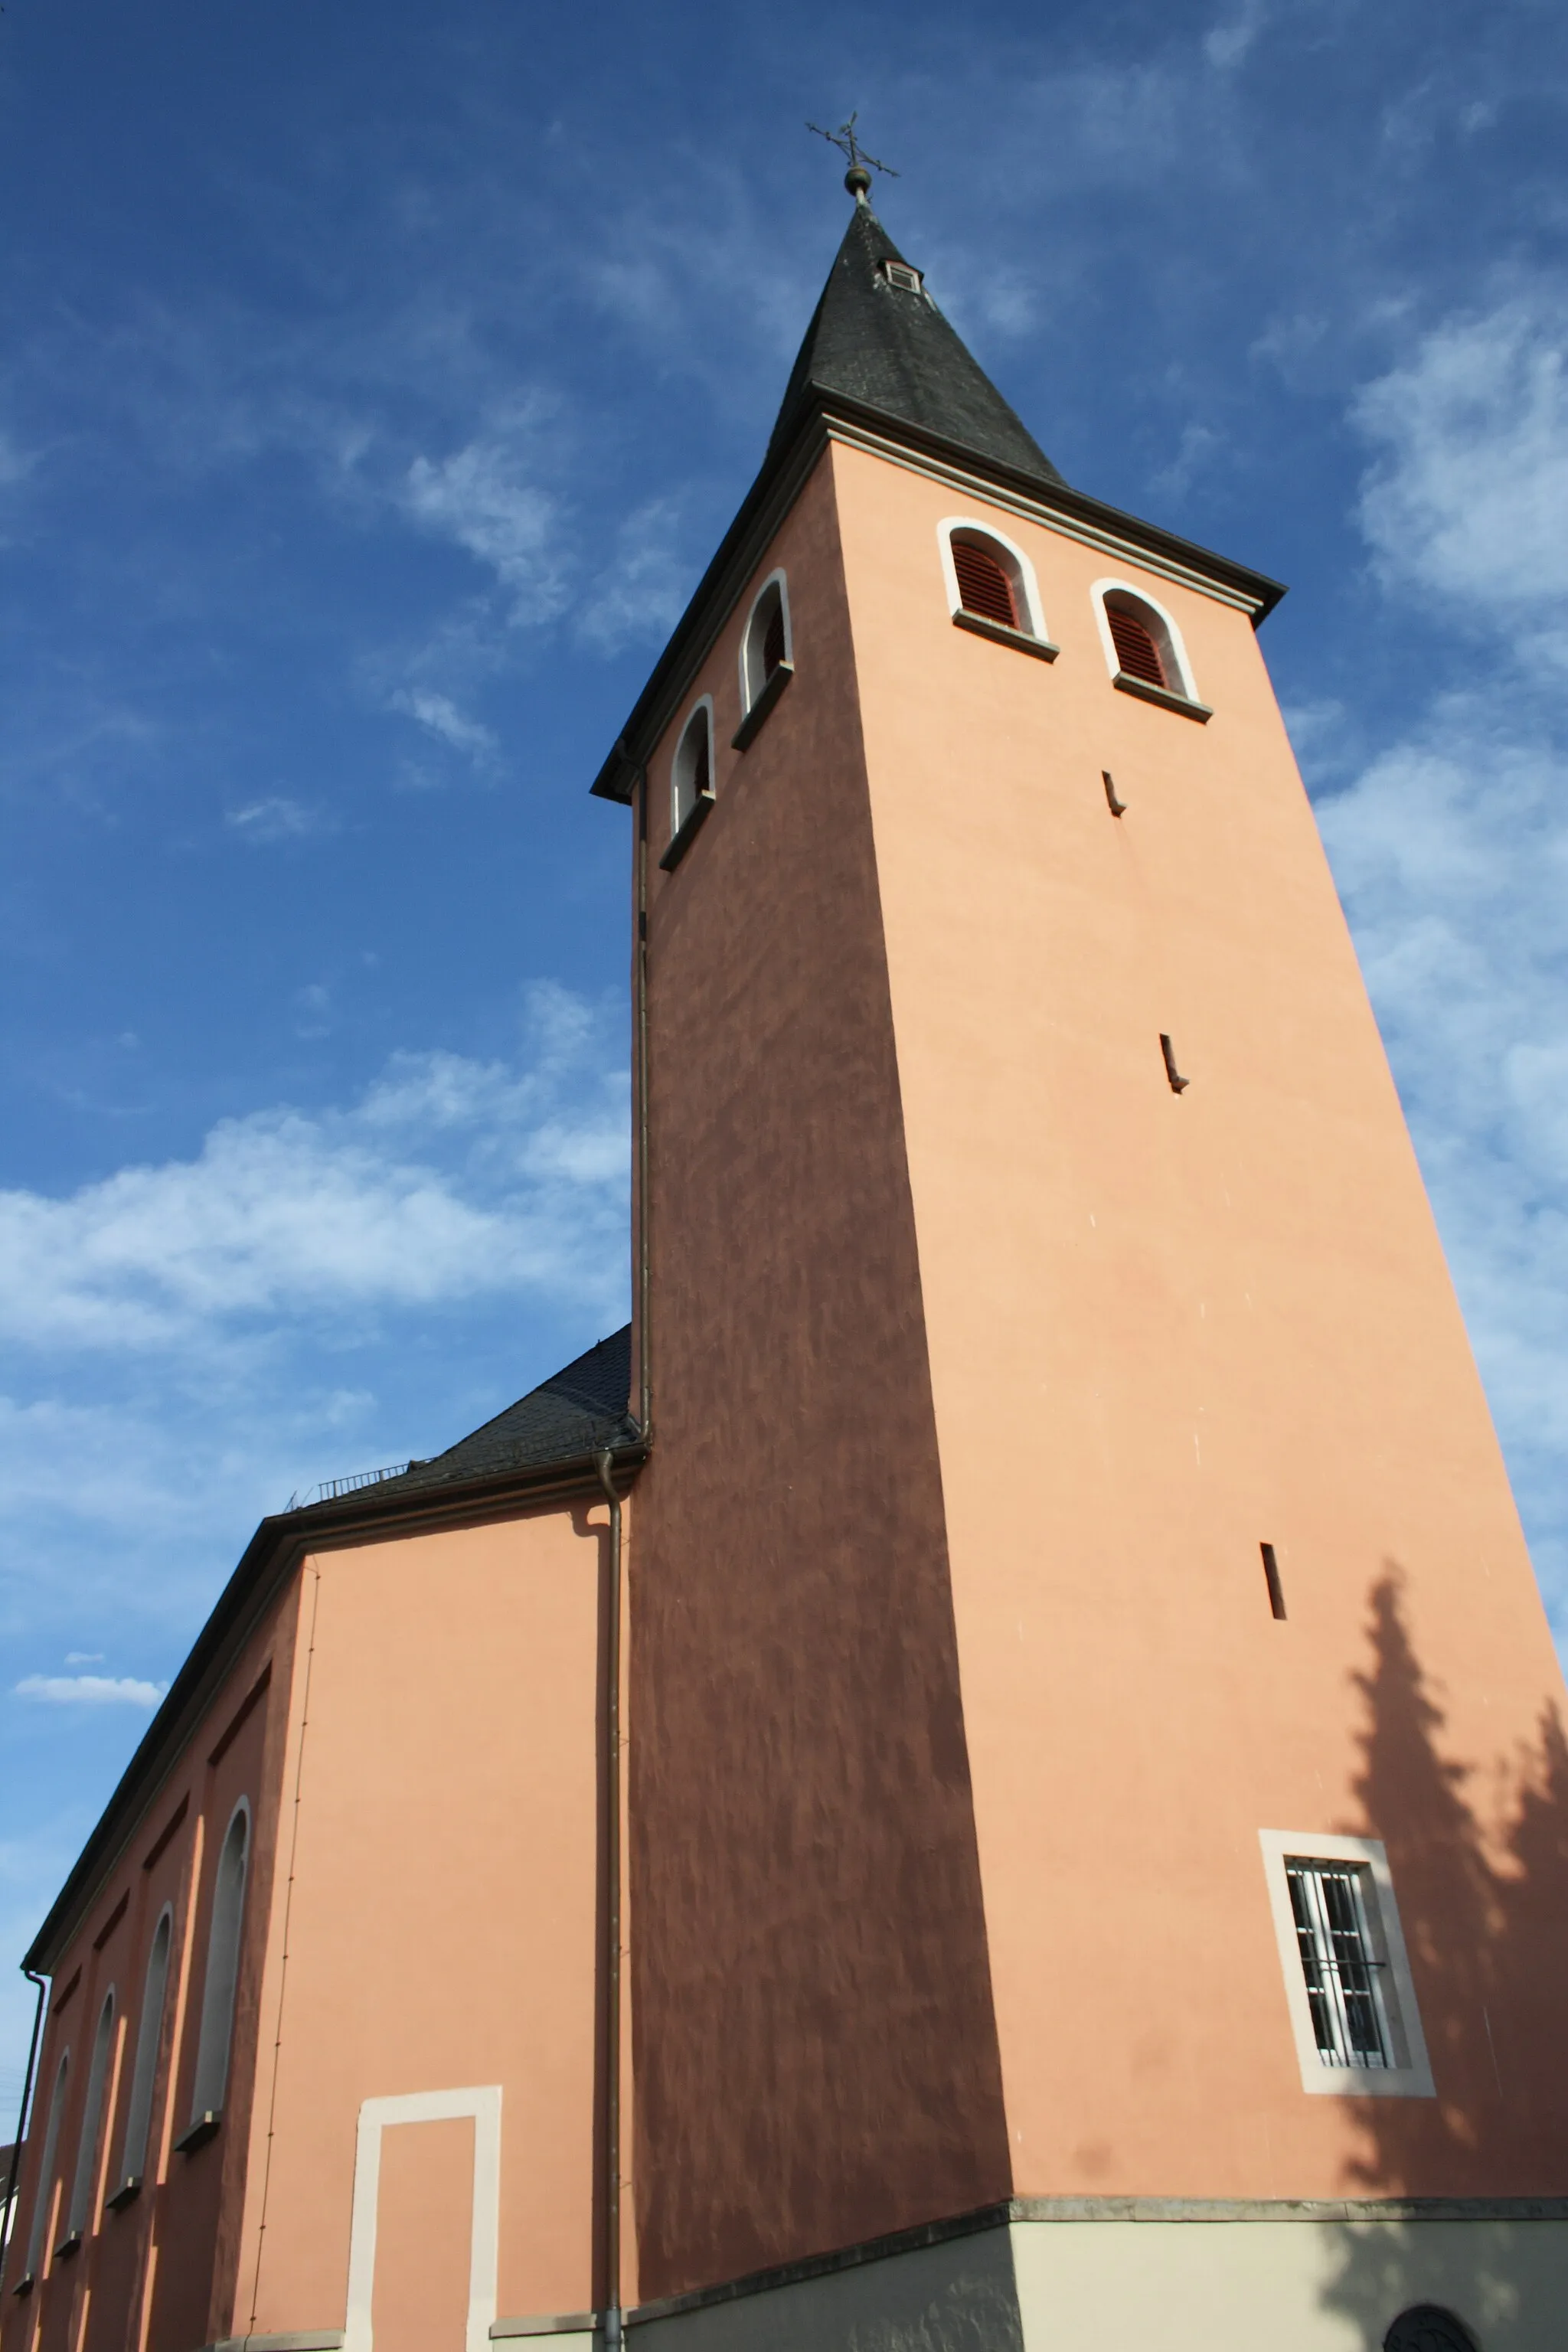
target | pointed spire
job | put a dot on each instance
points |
(878, 340)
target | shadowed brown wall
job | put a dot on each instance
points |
(815, 2052)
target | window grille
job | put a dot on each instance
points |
(1329, 1903)
(1135, 648)
(901, 274)
(984, 586)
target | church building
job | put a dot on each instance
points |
(990, 1775)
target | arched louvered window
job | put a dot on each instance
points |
(1136, 650)
(44, 2194)
(1143, 648)
(766, 647)
(223, 1970)
(80, 2215)
(149, 2033)
(984, 585)
(692, 779)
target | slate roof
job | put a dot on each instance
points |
(578, 1410)
(887, 348)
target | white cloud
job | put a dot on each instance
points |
(482, 498)
(1226, 46)
(450, 1179)
(1468, 498)
(1451, 848)
(84, 1657)
(90, 1690)
(641, 592)
(441, 716)
(278, 818)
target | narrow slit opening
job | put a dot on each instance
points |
(1272, 1577)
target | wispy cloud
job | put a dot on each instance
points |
(1467, 496)
(642, 589)
(293, 1213)
(440, 715)
(278, 818)
(484, 497)
(90, 1690)
(1451, 848)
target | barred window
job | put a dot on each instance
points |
(1329, 1902)
(1351, 1997)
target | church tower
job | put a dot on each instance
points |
(1095, 1746)
(988, 1778)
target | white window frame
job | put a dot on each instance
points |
(44, 2194)
(1024, 581)
(751, 685)
(680, 818)
(144, 2066)
(1410, 2075)
(483, 2105)
(1174, 648)
(81, 2213)
(215, 2040)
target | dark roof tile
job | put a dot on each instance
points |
(886, 348)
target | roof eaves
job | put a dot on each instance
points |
(276, 1548)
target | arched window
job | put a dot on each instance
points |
(691, 780)
(1137, 650)
(1143, 648)
(223, 1971)
(148, 2032)
(80, 2214)
(984, 585)
(991, 585)
(1428, 2328)
(767, 649)
(44, 2194)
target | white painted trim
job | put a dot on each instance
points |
(209, 2081)
(1411, 2078)
(1024, 571)
(1040, 510)
(1178, 651)
(483, 2104)
(676, 814)
(748, 692)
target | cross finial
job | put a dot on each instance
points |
(857, 179)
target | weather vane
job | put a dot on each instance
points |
(857, 179)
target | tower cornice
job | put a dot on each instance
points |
(831, 417)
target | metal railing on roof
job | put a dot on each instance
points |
(331, 1487)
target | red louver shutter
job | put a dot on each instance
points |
(984, 586)
(1135, 648)
(773, 641)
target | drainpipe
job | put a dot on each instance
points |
(8, 2211)
(605, 1462)
(645, 1350)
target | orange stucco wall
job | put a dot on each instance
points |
(1162, 1330)
(151, 2274)
(444, 1862)
(816, 2055)
(421, 1751)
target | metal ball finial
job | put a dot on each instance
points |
(857, 179)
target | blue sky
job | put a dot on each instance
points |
(375, 384)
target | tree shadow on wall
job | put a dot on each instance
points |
(1480, 1864)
